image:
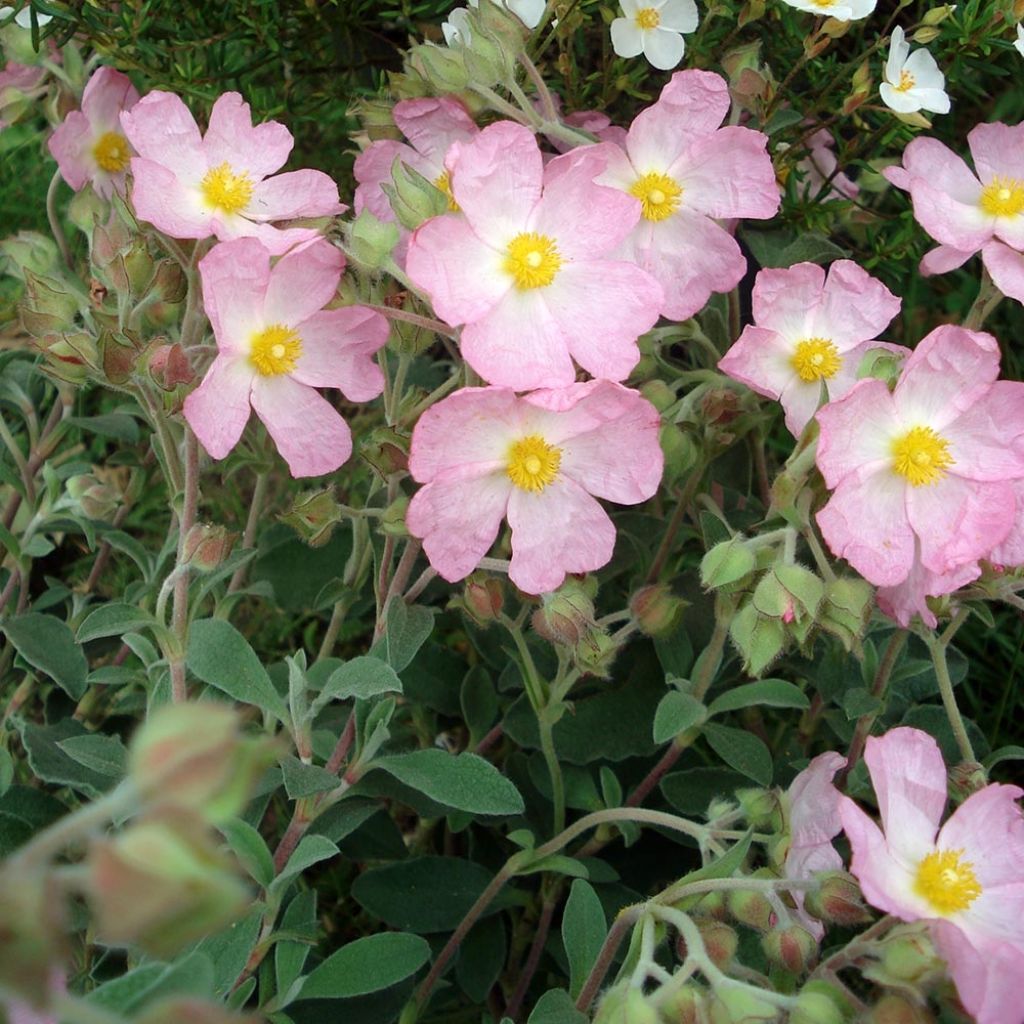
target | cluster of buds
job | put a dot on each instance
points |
(566, 617)
(97, 494)
(482, 598)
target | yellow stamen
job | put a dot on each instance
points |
(111, 152)
(1003, 197)
(906, 82)
(443, 182)
(533, 463)
(225, 190)
(533, 260)
(275, 350)
(947, 881)
(816, 359)
(648, 17)
(659, 195)
(921, 456)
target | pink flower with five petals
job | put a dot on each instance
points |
(223, 183)
(277, 344)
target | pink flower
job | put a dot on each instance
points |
(276, 345)
(20, 84)
(809, 335)
(909, 598)
(89, 144)
(967, 212)
(431, 126)
(966, 878)
(193, 186)
(820, 166)
(688, 173)
(813, 824)
(525, 266)
(540, 461)
(923, 474)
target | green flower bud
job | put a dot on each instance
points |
(50, 304)
(750, 908)
(881, 364)
(71, 357)
(686, 1005)
(818, 1002)
(377, 119)
(371, 241)
(897, 1009)
(566, 616)
(908, 957)
(762, 808)
(846, 608)
(483, 597)
(386, 451)
(759, 638)
(837, 900)
(314, 516)
(659, 394)
(680, 451)
(413, 198)
(96, 495)
(740, 1004)
(169, 282)
(792, 948)
(727, 565)
(206, 546)
(720, 941)
(789, 592)
(937, 15)
(31, 251)
(441, 67)
(625, 1005)
(393, 521)
(657, 610)
(119, 357)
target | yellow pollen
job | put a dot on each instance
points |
(947, 881)
(275, 350)
(533, 260)
(225, 190)
(816, 359)
(533, 463)
(921, 456)
(443, 182)
(1003, 197)
(648, 17)
(659, 195)
(111, 152)
(906, 82)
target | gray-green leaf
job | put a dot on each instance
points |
(367, 965)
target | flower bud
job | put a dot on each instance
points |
(566, 615)
(185, 1010)
(170, 366)
(750, 908)
(740, 1004)
(194, 756)
(371, 241)
(162, 883)
(28, 250)
(386, 451)
(656, 610)
(393, 521)
(720, 940)
(169, 282)
(680, 451)
(925, 35)
(71, 357)
(658, 393)
(907, 957)
(762, 808)
(377, 118)
(792, 948)
(788, 592)
(207, 545)
(897, 1009)
(846, 608)
(966, 778)
(314, 516)
(413, 198)
(937, 15)
(727, 565)
(49, 304)
(837, 900)
(595, 653)
(760, 639)
(626, 1005)
(96, 494)
(818, 1002)
(483, 597)
(442, 68)
(686, 1005)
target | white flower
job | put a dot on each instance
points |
(913, 81)
(24, 17)
(1019, 44)
(456, 28)
(841, 10)
(654, 28)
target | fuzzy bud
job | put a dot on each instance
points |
(441, 67)
(788, 592)
(750, 908)
(837, 900)
(96, 495)
(720, 941)
(169, 366)
(28, 251)
(740, 1004)
(846, 608)
(897, 1009)
(413, 198)
(656, 610)
(206, 546)
(71, 357)
(818, 1002)
(566, 615)
(626, 1006)
(966, 778)
(386, 451)
(169, 282)
(762, 808)
(483, 597)
(760, 639)
(49, 304)
(907, 957)
(393, 521)
(727, 565)
(659, 394)
(371, 241)
(792, 948)
(686, 1005)
(314, 516)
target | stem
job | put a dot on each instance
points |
(547, 913)
(398, 582)
(426, 322)
(937, 648)
(665, 547)
(56, 228)
(622, 925)
(187, 518)
(344, 744)
(259, 493)
(547, 746)
(338, 614)
(989, 296)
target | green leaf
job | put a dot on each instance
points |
(302, 780)
(783, 249)
(49, 762)
(361, 678)
(23, 813)
(408, 627)
(676, 713)
(230, 948)
(118, 425)
(105, 755)
(311, 850)
(859, 701)
(481, 958)
(741, 750)
(290, 957)
(46, 643)
(191, 975)
(464, 782)
(1010, 753)
(220, 656)
(556, 1007)
(691, 790)
(6, 771)
(726, 865)
(367, 965)
(773, 693)
(251, 850)
(584, 930)
(478, 702)
(113, 619)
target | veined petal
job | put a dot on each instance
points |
(232, 139)
(338, 347)
(218, 409)
(163, 130)
(235, 276)
(302, 282)
(294, 194)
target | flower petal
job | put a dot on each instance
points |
(294, 194)
(432, 124)
(302, 282)
(163, 130)
(159, 197)
(987, 975)
(235, 276)
(218, 409)
(232, 139)
(338, 347)
(663, 49)
(1006, 267)
(857, 432)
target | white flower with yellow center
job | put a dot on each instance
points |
(913, 81)
(654, 28)
(841, 10)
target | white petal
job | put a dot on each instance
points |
(678, 15)
(902, 102)
(627, 39)
(663, 49)
(529, 12)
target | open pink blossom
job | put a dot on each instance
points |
(966, 878)
(924, 474)
(192, 186)
(89, 144)
(813, 824)
(276, 344)
(688, 173)
(968, 212)
(431, 125)
(526, 267)
(809, 334)
(540, 461)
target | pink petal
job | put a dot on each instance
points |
(458, 520)
(71, 146)
(159, 197)
(432, 124)
(865, 522)
(302, 282)
(1006, 267)
(987, 441)
(218, 409)
(162, 129)
(997, 150)
(964, 226)
(277, 241)
(761, 359)
(814, 806)
(855, 307)
(294, 194)
(462, 275)
(909, 598)
(106, 94)
(602, 307)
(496, 180)
(943, 258)
(728, 174)
(235, 276)
(989, 828)
(801, 399)
(987, 975)
(559, 530)
(784, 299)
(936, 163)
(308, 431)
(1011, 550)
(338, 347)
(232, 139)
(372, 168)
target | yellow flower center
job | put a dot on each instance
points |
(532, 260)
(659, 195)
(647, 17)
(533, 463)
(816, 359)
(947, 881)
(906, 82)
(1003, 197)
(825, 3)
(921, 456)
(443, 182)
(225, 190)
(275, 350)
(111, 152)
